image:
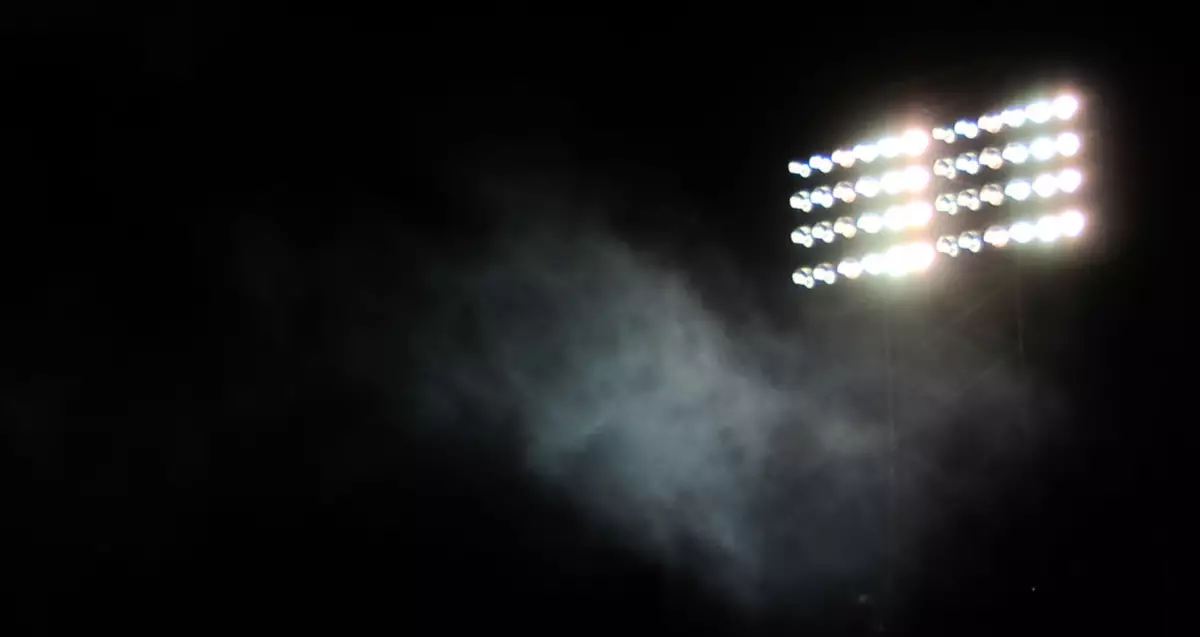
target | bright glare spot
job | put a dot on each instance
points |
(867, 186)
(893, 182)
(1065, 106)
(1072, 222)
(997, 236)
(1013, 117)
(944, 167)
(919, 213)
(1042, 148)
(992, 194)
(1022, 232)
(1015, 153)
(1068, 144)
(889, 147)
(945, 203)
(803, 236)
(866, 152)
(991, 123)
(903, 259)
(968, 163)
(843, 158)
(915, 178)
(873, 264)
(991, 158)
(870, 222)
(914, 142)
(966, 128)
(1069, 180)
(1039, 112)
(804, 276)
(969, 199)
(896, 217)
(1018, 189)
(1049, 229)
(844, 191)
(801, 201)
(947, 245)
(850, 268)
(1045, 185)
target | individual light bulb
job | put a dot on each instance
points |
(1045, 185)
(889, 147)
(850, 268)
(991, 123)
(845, 227)
(970, 240)
(892, 181)
(943, 135)
(825, 273)
(944, 167)
(799, 168)
(1071, 222)
(915, 178)
(1039, 112)
(1015, 153)
(1065, 106)
(969, 199)
(968, 163)
(946, 203)
(992, 194)
(804, 276)
(1018, 189)
(867, 186)
(803, 236)
(1048, 228)
(947, 245)
(870, 222)
(866, 152)
(913, 142)
(844, 191)
(821, 163)
(991, 158)
(1022, 232)
(997, 236)
(1069, 180)
(1013, 117)
(966, 128)
(843, 158)
(802, 201)
(826, 232)
(1042, 148)
(823, 197)
(1067, 144)
(896, 218)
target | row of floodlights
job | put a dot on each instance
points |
(895, 218)
(893, 182)
(1062, 107)
(1045, 185)
(914, 142)
(1041, 149)
(915, 257)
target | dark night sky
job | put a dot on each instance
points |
(255, 258)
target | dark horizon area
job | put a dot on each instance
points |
(399, 323)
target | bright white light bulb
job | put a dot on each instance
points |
(991, 158)
(850, 268)
(803, 236)
(944, 135)
(1015, 153)
(1067, 144)
(845, 227)
(892, 182)
(873, 264)
(991, 123)
(1013, 117)
(1048, 229)
(992, 194)
(823, 197)
(946, 203)
(1042, 148)
(843, 158)
(966, 128)
(997, 236)
(896, 218)
(825, 273)
(866, 152)
(915, 178)
(870, 222)
(919, 213)
(799, 168)
(1022, 232)
(1045, 185)
(867, 187)
(826, 229)
(1065, 106)
(944, 167)
(889, 147)
(1018, 189)
(804, 276)
(844, 191)
(970, 240)
(1069, 180)
(969, 199)
(802, 201)
(968, 163)
(913, 142)
(1071, 222)
(920, 256)
(947, 245)
(1039, 112)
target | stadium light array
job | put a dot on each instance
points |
(985, 152)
